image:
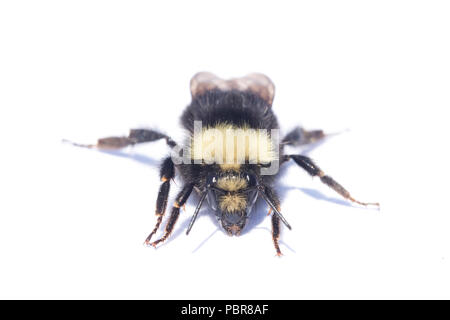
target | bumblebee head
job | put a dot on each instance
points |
(232, 195)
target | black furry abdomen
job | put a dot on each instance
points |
(233, 107)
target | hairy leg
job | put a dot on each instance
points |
(134, 137)
(167, 173)
(309, 166)
(181, 199)
(300, 136)
(276, 233)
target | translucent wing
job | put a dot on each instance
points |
(257, 83)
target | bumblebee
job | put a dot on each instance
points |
(231, 155)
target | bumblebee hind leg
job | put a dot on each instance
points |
(135, 136)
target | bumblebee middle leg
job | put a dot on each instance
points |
(300, 136)
(309, 166)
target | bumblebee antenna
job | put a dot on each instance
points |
(194, 217)
(274, 208)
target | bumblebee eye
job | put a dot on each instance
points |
(212, 179)
(251, 180)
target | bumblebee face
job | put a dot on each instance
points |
(232, 195)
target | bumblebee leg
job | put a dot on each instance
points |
(271, 198)
(276, 233)
(179, 202)
(310, 167)
(135, 136)
(167, 173)
(146, 135)
(300, 136)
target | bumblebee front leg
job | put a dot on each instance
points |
(179, 202)
(167, 173)
(309, 166)
(274, 206)
(276, 233)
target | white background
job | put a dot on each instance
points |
(73, 221)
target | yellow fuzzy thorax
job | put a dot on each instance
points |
(230, 146)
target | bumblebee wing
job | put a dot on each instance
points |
(205, 81)
(257, 83)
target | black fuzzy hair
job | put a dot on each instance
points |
(232, 107)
